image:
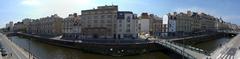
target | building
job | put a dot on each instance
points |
(208, 23)
(150, 24)
(164, 32)
(10, 26)
(26, 24)
(191, 23)
(71, 27)
(127, 25)
(47, 26)
(19, 26)
(99, 22)
(171, 25)
(22, 26)
(156, 25)
(144, 24)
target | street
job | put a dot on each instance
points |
(13, 51)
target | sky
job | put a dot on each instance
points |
(16, 10)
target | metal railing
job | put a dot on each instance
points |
(180, 51)
(192, 48)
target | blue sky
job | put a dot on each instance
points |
(16, 10)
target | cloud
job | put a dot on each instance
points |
(195, 9)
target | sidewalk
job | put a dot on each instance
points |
(18, 52)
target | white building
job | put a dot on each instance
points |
(127, 25)
(144, 24)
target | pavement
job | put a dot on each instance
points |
(230, 50)
(13, 50)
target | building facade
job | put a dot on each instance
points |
(19, 26)
(144, 24)
(127, 25)
(71, 27)
(47, 26)
(100, 22)
(190, 23)
(150, 24)
(156, 25)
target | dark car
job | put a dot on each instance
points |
(4, 52)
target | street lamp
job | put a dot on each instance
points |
(183, 49)
(29, 48)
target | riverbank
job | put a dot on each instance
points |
(122, 48)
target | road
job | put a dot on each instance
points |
(228, 51)
(14, 51)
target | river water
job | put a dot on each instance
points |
(46, 51)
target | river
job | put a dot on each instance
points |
(46, 51)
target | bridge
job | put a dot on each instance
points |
(229, 50)
(185, 51)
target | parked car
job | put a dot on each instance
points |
(4, 52)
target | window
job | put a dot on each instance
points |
(95, 17)
(120, 30)
(109, 16)
(95, 21)
(109, 21)
(128, 25)
(120, 21)
(128, 19)
(102, 16)
(109, 25)
(102, 21)
(128, 30)
(120, 25)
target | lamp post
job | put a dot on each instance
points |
(29, 49)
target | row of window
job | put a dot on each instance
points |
(99, 16)
(98, 12)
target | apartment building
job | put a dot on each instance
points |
(47, 26)
(181, 24)
(99, 22)
(127, 25)
(156, 25)
(144, 24)
(71, 27)
(19, 26)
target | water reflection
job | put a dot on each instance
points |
(212, 45)
(45, 51)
